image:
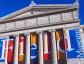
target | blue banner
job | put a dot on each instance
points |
(74, 48)
(34, 49)
(2, 49)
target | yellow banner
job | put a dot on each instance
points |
(21, 58)
(33, 39)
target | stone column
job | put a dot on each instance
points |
(16, 49)
(27, 61)
(40, 48)
(54, 50)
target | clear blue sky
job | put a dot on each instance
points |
(9, 6)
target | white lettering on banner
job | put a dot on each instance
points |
(33, 57)
(45, 44)
(35, 47)
(22, 37)
(58, 46)
(21, 48)
(80, 50)
(69, 48)
(11, 39)
(11, 47)
(3, 49)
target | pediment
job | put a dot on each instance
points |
(34, 9)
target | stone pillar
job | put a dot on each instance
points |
(40, 48)
(54, 48)
(27, 61)
(16, 49)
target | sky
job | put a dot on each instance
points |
(10, 6)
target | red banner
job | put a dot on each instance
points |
(21, 50)
(47, 48)
(60, 42)
(11, 49)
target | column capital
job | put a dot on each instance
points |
(52, 30)
(16, 35)
(27, 33)
(40, 32)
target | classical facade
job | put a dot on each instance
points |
(42, 34)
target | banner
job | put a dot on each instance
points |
(47, 48)
(3, 42)
(61, 52)
(34, 48)
(11, 45)
(21, 49)
(73, 43)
